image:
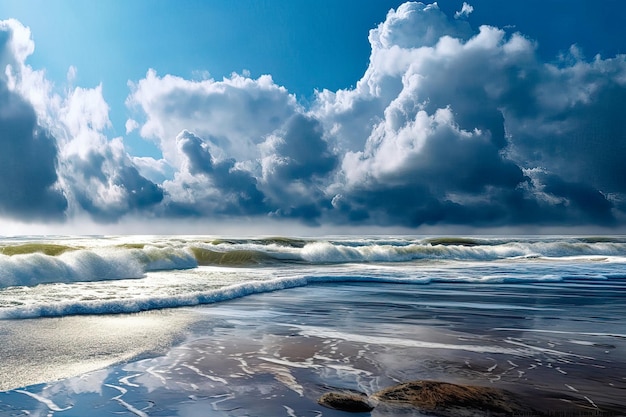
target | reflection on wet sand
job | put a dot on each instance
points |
(275, 354)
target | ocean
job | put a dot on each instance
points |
(191, 325)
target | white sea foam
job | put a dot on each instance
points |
(600, 334)
(408, 343)
(123, 403)
(120, 306)
(117, 275)
(45, 401)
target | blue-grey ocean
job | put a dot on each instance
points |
(202, 326)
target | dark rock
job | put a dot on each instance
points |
(445, 399)
(346, 401)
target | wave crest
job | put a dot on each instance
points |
(79, 265)
(40, 262)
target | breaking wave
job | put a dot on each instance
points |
(455, 249)
(80, 265)
(36, 262)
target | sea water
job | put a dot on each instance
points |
(202, 320)
(112, 275)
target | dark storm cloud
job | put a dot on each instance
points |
(300, 153)
(239, 190)
(107, 186)
(28, 158)
(198, 155)
(141, 192)
(297, 163)
(225, 188)
(28, 152)
(412, 206)
(583, 139)
(581, 202)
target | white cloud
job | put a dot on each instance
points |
(84, 114)
(71, 74)
(413, 25)
(156, 170)
(17, 43)
(431, 130)
(131, 125)
(234, 114)
(450, 117)
(465, 11)
(205, 186)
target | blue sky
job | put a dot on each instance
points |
(137, 115)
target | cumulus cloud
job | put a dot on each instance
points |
(465, 118)
(297, 161)
(414, 25)
(99, 175)
(429, 170)
(131, 125)
(29, 186)
(396, 44)
(207, 186)
(235, 114)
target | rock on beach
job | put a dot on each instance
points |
(346, 401)
(434, 397)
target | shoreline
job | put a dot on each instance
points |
(276, 353)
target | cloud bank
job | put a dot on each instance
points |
(449, 125)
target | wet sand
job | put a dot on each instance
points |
(41, 350)
(275, 354)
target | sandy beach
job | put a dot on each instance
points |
(274, 354)
(40, 350)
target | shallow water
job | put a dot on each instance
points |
(274, 354)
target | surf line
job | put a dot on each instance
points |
(47, 402)
(124, 403)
